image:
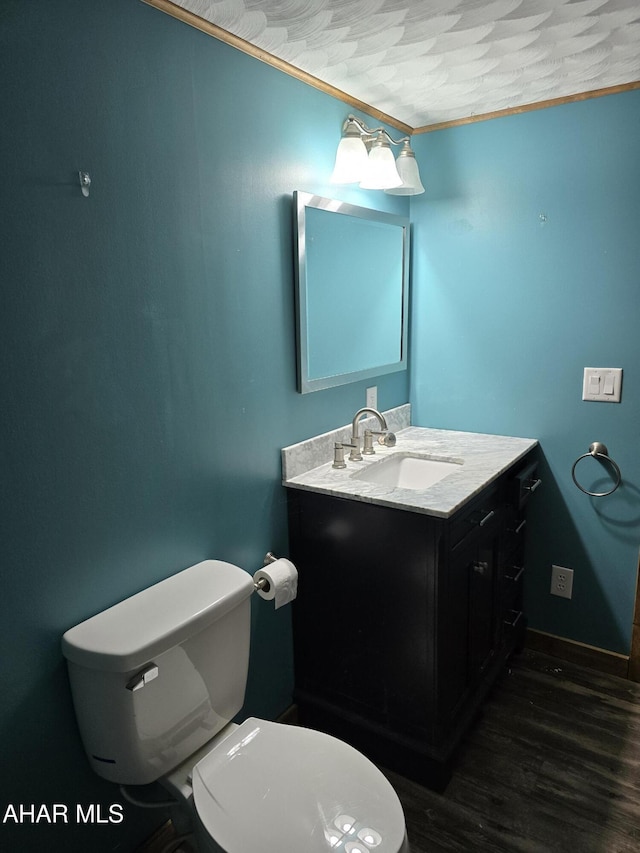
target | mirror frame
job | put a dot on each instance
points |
(302, 201)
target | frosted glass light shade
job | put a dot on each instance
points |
(381, 172)
(351, 161)
(409, 173)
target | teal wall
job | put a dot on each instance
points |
(526, 251)
(147, 337)
(148, 351)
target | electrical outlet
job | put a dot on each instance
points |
(561, 581)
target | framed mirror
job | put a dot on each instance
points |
(352, 292)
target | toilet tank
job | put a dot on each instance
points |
(156, 676)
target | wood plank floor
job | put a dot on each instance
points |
(552, 766)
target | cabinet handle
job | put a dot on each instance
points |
(513, 623)
(487, 518)
(521, 525)
(533, 485)
(480, 566)
(518, 575)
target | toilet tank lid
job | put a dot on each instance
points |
(131, 633)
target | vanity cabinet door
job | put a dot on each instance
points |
(483, 633)
(469, 629)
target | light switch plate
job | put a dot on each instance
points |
(602, 384)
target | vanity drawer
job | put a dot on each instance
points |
(514, 625)
(522, 485)
(512, 585)
(515, 528)
(476, 518)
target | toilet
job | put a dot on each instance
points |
(156, 681)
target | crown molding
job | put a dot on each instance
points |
(527, 108)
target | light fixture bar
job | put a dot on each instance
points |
(364, 156)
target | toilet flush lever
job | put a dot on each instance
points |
(143, 677)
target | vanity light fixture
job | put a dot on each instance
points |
(364, 156)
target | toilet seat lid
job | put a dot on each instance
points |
(272, 787)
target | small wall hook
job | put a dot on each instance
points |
(85, 183)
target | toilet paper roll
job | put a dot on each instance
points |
(282, 577)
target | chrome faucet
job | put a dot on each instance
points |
(356, 455)
(385, 437)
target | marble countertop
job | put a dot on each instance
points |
(483, 458)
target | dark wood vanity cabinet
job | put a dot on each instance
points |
(404, 620)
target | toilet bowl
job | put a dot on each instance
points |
(156, 681)
(271, 787)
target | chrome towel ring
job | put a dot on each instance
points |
(599, 451)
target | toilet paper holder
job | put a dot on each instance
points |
(263, 583)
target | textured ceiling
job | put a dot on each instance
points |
(424, 62)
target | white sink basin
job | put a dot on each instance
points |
(404, 471)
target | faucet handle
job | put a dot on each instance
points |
(386, 438)
(338, 455)
(367, 449)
